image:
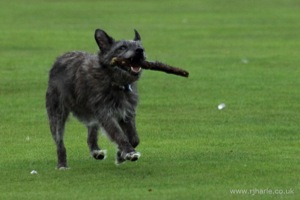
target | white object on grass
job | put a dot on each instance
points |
(221, 106)
(33, 172)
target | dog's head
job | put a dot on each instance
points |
(131, 50)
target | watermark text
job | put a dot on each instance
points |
(267, 191)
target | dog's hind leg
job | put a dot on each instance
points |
(92, 141)
(58, 115)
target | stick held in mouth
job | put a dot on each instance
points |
(157, 66)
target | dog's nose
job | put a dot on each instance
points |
(139, 51)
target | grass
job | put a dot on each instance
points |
(242, 53)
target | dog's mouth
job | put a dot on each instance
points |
(134, 65)
(131, 65)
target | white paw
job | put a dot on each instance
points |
(99, 154)
(132, 156)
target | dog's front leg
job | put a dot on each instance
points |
(116, 134)
(129, 128)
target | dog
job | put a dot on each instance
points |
(98, 94)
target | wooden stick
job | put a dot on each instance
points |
(157, 66)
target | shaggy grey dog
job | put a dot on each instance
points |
(99, 94)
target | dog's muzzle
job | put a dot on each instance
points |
(132, 63)
(136, 59)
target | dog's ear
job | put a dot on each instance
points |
(103, 40)
(137, 36)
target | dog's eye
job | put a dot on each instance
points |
(122, 48)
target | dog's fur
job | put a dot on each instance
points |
(98, 94)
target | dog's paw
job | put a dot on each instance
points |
(132, 156)
(119, 160)
(98, 154)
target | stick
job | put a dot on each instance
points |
(157, 66)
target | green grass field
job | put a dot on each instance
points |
(241, 53)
